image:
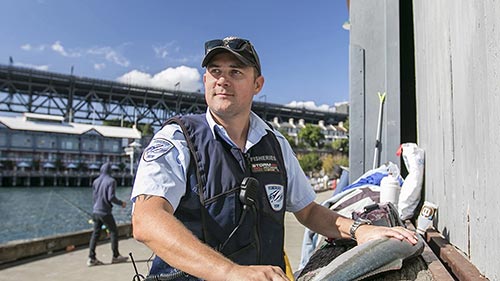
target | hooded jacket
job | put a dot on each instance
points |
(103, 189)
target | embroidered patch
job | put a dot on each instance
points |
(156, 149)
(265, 167)
(275, 196)
(264, 164)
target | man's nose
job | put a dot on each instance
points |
(222, 81)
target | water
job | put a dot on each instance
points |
(34, 212)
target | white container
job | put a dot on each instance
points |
(389, 190)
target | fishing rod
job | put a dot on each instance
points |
(74, 205)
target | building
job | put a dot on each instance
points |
(292, 129)
(35, 145)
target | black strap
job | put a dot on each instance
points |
(200, 179)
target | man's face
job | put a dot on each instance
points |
(230, 86)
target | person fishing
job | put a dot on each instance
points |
(201, 172)
(103, 194)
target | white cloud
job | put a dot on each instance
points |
(59, 48)
(172, 52)
(28, 47)
(311, 105)
(38, 67)
(107, 53)
(110, 55)
(189, 79)
(161, 51)
(99, 66)
(341, 103)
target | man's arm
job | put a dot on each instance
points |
(155, 226)
(112, 194)
(330, 224)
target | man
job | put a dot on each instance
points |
(195, 201)
(103, 193)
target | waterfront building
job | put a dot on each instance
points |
(37, 145)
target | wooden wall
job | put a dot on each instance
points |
(457, 58)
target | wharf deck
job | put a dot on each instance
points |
(71, 266)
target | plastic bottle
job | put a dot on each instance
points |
(389, 189)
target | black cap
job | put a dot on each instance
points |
(242, 49)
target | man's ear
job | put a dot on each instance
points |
(259, 83)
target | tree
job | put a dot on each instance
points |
(122, 166)
(289, 138)
(342, 160)
(310, 162)
(328, 164)
(341, 145)
(331, 160)
(146, 129)
(346, 124)
(311, 135)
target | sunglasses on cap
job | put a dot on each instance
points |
(241, 48)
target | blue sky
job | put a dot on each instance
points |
(302, 47)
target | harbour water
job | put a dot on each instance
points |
(34, 212)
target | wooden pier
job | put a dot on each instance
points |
(60, 179)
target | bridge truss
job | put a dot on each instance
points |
(80, 99)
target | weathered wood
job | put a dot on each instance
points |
(457, 65)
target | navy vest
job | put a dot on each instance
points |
(211, 207)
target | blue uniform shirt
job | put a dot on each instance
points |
(163, 165)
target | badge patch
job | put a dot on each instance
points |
(265, 167)
(156, 149)
(275, 196)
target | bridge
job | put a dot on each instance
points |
(82, 99)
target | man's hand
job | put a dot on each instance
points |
(366, 233)
(256, 273)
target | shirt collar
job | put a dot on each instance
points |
(256, 131)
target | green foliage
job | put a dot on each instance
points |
(145, 128)
(341, 145)
(310, 162)
(122, 166)
(342, 160)
(117, 123)
(346, 124)
(311, 135)
(328, 164)
(290, 139)
(331, 160)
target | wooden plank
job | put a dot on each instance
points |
(462, 268)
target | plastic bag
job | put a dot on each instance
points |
(413, 157)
